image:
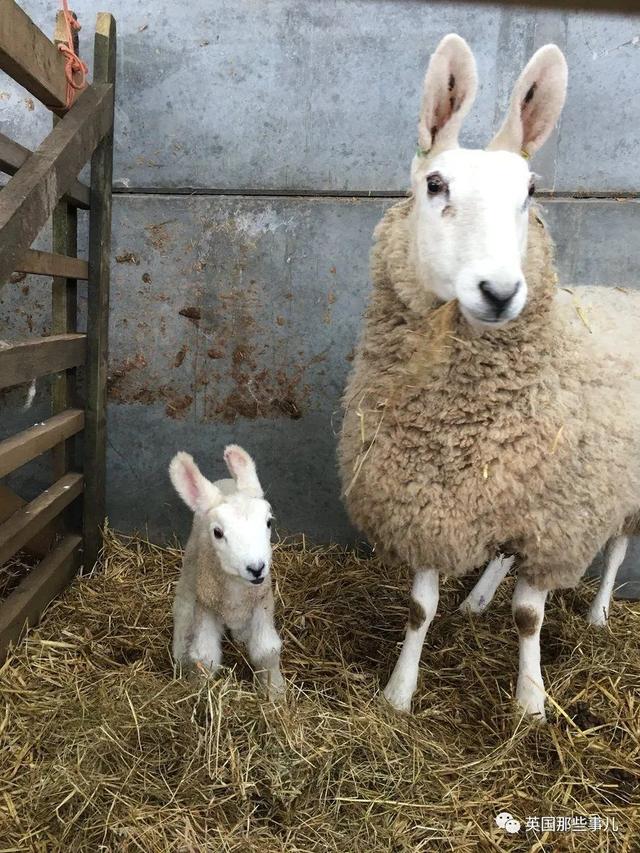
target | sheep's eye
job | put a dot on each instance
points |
(532, 187)
(217, 532)
(436, 183)
(269, 522)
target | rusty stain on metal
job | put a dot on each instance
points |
(177, 406)
(191, 313)
(158, 235)
(180, 355)
(128, 258)
(121, 389)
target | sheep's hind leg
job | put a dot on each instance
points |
(422, 609)
(482, 594)
(528, 613)
(614, 555)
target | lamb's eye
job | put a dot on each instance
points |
(436, 183)
(217, 532)
(269, 522)
(532, 187)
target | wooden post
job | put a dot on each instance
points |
(104, 71)
(64, 319)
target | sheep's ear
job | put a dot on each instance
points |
(536, 103)
(449, 90)
(194, 488)
(243, 470)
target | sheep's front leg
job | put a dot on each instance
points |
(205, 648)
(528, 613)
(481, 595)
(614, 555)
(422, 609)
(263, 647)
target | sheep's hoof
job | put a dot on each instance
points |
(598, 617)
(398, 696)
(532, 703)
(473, 605)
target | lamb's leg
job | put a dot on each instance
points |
(422, 609)
(528, 613)
(481, 595)
(205, 648)
(614, 555)
(183, 610)
(263, 647)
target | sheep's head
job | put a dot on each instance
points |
(238, 518)
(472, 206)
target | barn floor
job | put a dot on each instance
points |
(102, 749)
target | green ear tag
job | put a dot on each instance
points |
(420, 152)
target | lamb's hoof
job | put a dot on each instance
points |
(398, 696)
(207, 670)
(276, 692)
(274, 686)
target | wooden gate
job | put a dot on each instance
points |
(44, 185)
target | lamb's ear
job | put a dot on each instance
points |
(449, 90)
(536, 103)
(192, 486)
(243, 470)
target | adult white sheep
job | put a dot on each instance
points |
(482, 416)
(225, 579)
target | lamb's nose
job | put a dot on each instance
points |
(256, 569)
(498, 300)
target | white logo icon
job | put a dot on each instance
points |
(508, 822)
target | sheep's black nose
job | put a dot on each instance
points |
(256, 569)
(497, 299)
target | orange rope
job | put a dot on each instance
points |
(75, 69)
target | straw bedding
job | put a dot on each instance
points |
(103, 749)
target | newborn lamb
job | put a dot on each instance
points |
(225, 579)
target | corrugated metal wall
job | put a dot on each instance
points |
(258, 143)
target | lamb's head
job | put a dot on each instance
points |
(238, 519)
(471, 209)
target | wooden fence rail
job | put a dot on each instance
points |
(30, 196)
(43, 184)
(26, 445)
(13, 156)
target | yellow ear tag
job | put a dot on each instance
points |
(524, 154)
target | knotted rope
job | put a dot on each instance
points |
(75, 69)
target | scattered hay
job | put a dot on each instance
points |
(102, 749)
(14, 571)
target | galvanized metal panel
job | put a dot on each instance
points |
(234, 319)
(282, 96)
(293, 94)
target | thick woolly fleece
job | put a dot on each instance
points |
(523, 440)
(230, 599)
